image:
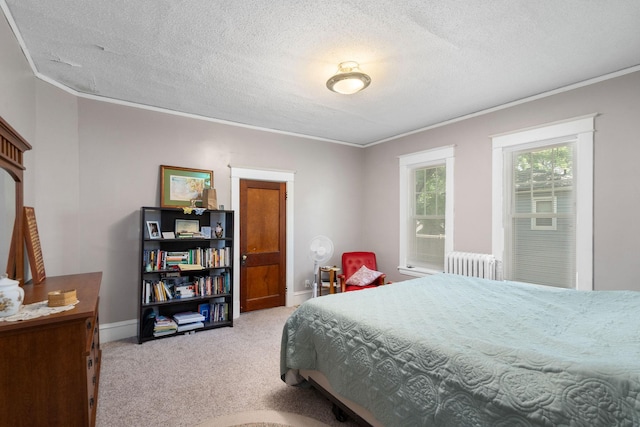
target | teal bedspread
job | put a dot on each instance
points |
(449, 350)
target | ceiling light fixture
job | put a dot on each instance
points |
(349, 79)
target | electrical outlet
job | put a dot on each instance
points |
(307, 283)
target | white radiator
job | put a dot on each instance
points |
(472, 264)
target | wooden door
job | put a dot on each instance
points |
(262, 244)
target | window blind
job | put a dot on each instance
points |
(426, 228)
(540, 223)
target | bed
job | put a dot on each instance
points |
(449, 350)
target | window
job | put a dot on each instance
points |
(426, 245)
(426, 210)
(540, 233)
(543, 204)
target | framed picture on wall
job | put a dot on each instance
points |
(183, 187)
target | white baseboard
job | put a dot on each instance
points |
(118, 330)
(299, 297)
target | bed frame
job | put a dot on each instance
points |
(342, 407)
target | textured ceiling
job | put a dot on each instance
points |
(264, 64)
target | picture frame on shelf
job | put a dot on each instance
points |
(206, 232)
(168, 235)
(187, 227)
(153, 227)
(183, 187)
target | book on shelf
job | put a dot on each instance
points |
(190, 326)
(197, 258)
(164, 322)
(167, 290)
(170, 288)
(204, 310)
(164, 326)
(215, 285)
(185, 291)
(156, 291)
(189, 235)
(214, 257)
(189, 267)
(219, 310)
(187, 317)
(177, 257)
(153, 259)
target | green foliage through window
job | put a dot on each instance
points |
(430, 191)
(541, 168)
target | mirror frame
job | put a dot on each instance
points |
(12, 148)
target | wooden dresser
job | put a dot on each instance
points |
(50, 366)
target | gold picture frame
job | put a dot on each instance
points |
(183, 187)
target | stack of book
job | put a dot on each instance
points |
(164, 326)
(189, 320)
(189, 234)
(185, 291)
(174, 258)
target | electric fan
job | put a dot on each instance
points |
(320, 250)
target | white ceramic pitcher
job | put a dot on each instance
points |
(11, 296)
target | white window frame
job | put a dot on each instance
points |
(409, 162)
(534, 209)
(582, 129)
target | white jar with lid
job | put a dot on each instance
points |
(11, 296)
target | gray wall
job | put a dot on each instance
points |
(120, 152)
(93, 165)
(616, 186)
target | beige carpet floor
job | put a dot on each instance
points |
(193, 379)
(263, 419)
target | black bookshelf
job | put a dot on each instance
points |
(186, 271)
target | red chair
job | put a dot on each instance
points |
(351, 263)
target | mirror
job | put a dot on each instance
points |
(12, 148)
(8, 209)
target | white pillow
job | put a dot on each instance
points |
(363, 277)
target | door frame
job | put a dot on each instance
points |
(238, 173)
